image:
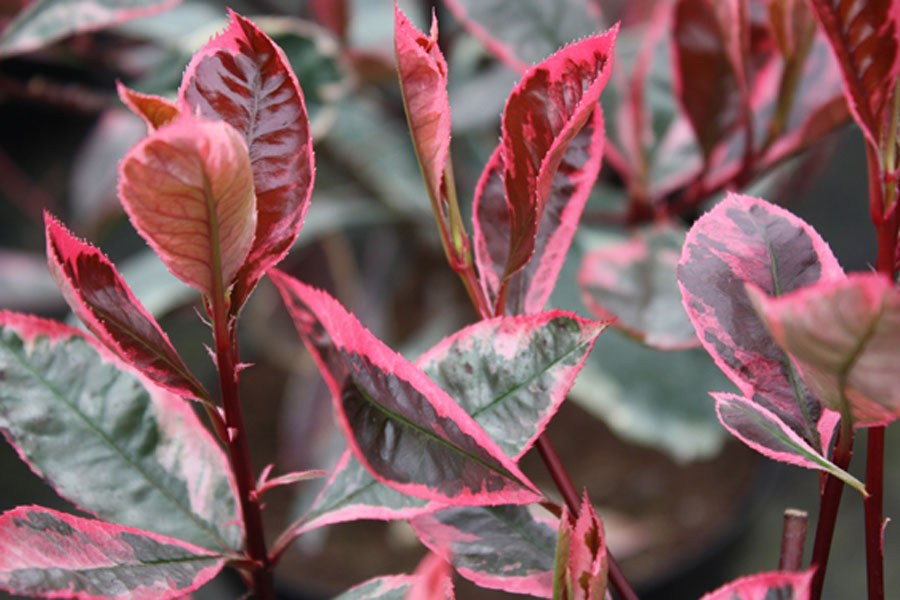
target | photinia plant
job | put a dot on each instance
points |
(219, 188)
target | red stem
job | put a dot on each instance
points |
(239, 453)
(792, 540)
(873, 513)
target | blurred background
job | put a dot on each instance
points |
(685, 508)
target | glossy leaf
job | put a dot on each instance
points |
(763, 586)
(706, 80)
(188, 190)
(544, 112)
(768, 434)
(109, 441)
(423, 82)
(352, 494)
(633, 283)
(516, 31)
(156, 111)
(844, 336)
(746, 240)
(512, 373)
(54, 555)
(406, 430)
(432, 580)
(496, 547)
(43, 22)
(865, 38)
(102, 300)
(581, 564)
(389, 587)
(243, 78)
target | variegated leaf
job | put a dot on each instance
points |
(765, 586)
(388, 587)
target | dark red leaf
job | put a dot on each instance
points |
(243, 78)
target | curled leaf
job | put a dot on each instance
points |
(156, 111)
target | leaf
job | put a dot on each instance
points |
(768, 434)
(243, 78)
(496, 547)
(102, 300)
(763, 586)
(156, 111)
(109, 441)
(865, 38)
(43, 22)
(388, 587)
(432, 580)
(352, 494)
(747, 240)
(705, 80)
(544, 112)
(188, 190)
(523, 32)
(407, 431)
(634, 282)
(530, 288)
(512, 373)
(844, 336)
(423, 83)
(54, 555)
(581, 564)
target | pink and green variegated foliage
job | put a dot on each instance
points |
(633, 284)
(511, 373)
(156, 111)
(405, 429)
(865, 38)
(55, 555)
(388, 587)
(110, 441)
(530, 288)
(742, 241)
(423, 82)
(581, 564)
(554, 100)
(99, 296)
(850, 364)
(243, 78)
(188, 189)
(782, 585)
(497, 547)
(432, 580)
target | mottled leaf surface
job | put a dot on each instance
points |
(512, 373)
(768, 434)
(544, 112)
(188, 190)
(103, 301)
(388, 587)
(844, 336)
(766, 586)
(865, 38)
(634, 284)
(497, 547)
(55, 555)
(107, 440)
(42, 22)
(404, 428)
(423, 82)
(581, 563)
(243, 78)
(746, 240)
(156, 111)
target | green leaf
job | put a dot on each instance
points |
(388, 587)
(110, 442)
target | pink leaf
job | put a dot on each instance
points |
(243, 78)
(581, 559)
(747, 240)
(433, 581)
(779, 584)
(845, 338)
(545, 111)
(156, 111)
(100, 297)
(408, 432)
(188, 190)
(423, 82)
(55, 555)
